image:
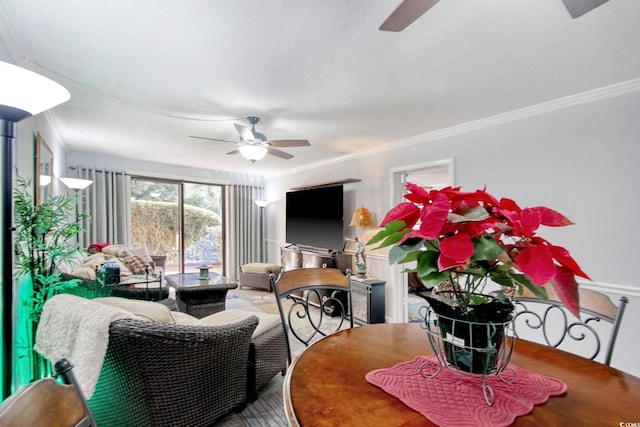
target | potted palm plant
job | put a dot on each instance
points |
(464, 243)
(44, 240)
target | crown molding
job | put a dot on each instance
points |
(606, 92)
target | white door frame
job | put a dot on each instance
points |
(399, 300)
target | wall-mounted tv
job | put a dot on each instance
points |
(315, 217)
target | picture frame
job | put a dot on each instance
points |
(43, 176)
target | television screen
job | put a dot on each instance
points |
(315, 217)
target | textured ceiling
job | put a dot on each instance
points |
(146, 74)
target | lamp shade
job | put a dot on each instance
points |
(252, 152)
(24, 93)
(261, 203)
(361, 218)
(76, 183)
(44, 180)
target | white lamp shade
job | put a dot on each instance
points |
(261, 203)
(45, 180)
(24, 93)
(252, 152)
(76, 183)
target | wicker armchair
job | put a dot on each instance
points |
(158, 374)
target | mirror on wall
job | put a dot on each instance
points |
(44, 170)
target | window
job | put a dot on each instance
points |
(181, 220)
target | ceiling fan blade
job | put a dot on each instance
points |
(233, 152)
(407, 12)
(279, 153)
(289, 143)
(578, 8)
(245, 132)
(212, 139)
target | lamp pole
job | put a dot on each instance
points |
(262, 204)
(7, 129)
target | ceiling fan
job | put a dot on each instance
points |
(254, 145)
(410, 10)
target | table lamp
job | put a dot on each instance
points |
(361, 218)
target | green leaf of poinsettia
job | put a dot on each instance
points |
(428, 263)
(486, 248)
(434, 279)
(392, 233)
(401, 254)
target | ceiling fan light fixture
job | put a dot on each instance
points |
(252, 152)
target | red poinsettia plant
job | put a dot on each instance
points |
(466, 239)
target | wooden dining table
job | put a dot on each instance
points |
(326, 384)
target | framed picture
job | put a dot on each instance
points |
(43, 171)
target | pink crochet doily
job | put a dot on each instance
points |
(455, 399)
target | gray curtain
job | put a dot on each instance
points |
(107, 200)
(245, 231)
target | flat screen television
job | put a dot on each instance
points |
(315, 217)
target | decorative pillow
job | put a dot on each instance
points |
(118, 251)
(137, 265)
(83, 272)
(71, 264)
(148, 310)
(95, 260)
(141, 251)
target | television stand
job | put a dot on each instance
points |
(307, 248)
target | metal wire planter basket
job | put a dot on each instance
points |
(469, 348)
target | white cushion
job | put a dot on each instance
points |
(148, 310)
(258, 268)
(185, 319)
(266, 321)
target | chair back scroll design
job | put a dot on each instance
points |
(558, 326)
(48, 403)
(313, 303)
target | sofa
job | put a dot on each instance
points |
(166, 368)
(135, 265)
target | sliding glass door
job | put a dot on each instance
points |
(180, 220)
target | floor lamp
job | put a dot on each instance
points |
(262, 204)
(22, 94)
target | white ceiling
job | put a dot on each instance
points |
(146, 74)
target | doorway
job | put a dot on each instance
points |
(431, 175)
(180, 220)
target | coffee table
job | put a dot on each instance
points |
(200, 298)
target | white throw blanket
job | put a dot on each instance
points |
(77, 329)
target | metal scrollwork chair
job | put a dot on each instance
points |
(48, 403)
(313, 303)
(549, 322)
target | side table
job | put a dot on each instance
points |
(200, 298)
(368, 297)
